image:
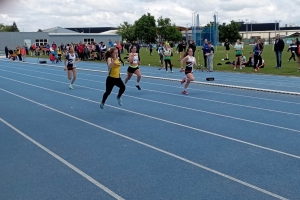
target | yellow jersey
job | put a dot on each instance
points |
(18, 51)
(58, 51)
(114, 72)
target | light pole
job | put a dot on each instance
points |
(246, 28)
(277, 21)
(186, 33)
(193, 24)
(217, 29)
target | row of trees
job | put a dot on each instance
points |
(228, 31)
(8, 28)
(147, 29)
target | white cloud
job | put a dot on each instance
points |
(31, 15)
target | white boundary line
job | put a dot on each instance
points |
(195, 82)
(157, 149)
(165, 85)
(169, 122)
(203, 99)
(84, 175)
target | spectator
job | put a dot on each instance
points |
(110, 44)
(278, 48)
(23, 54)
(293, 49)
(257, 49)
(210, 57)
(205, 49)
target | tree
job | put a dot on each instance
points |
(6, 28)
(40, 30)
(145, 28)
(127, 31)
(168, 31)
(229, 31)
(14, 28)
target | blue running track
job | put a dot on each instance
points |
(215, 143)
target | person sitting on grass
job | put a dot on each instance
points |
(250, 62)
(260, 65)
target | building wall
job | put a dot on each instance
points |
(267, 34)
(13, 39)
(76, 38)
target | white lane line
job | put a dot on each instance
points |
(165, 85)
(196, 82)
(198, 110)
(198, 98)
(89, 178)
(157, 149)
(169, 122)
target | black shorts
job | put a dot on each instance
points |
(71, 67)
(131, 69)
(227, 49)
(238, 55)
(188, 72)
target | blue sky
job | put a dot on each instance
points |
(30, 15)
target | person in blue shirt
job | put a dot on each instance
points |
(205, 49)
(110, 44)
(257, 49)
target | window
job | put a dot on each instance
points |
(88, 40)
(41, 42)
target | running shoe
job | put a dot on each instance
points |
(184, 92)
(120, 101)
(182, 81)
(138, 87)
(71, 87)
(101, 105)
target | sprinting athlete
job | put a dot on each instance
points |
(114, 77)
(134, 60)
(70, 65)
(190, 61)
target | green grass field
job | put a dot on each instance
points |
(288, 68)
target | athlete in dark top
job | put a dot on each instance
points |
(227, 47)
(180, 50)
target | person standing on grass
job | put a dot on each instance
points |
(238, 47)
(150, 48)
(293, 49)
(227, 46)
(205, 49)
(190, 62)
(278, 48)
(210, 57)
(167, 57)
(133, 58)
(257, 49)
(184, 46)
(180, 50)
(70, 65)
(114, 77)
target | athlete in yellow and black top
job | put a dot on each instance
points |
(114, 78)
(134, 67)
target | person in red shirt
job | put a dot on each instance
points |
(80, 49)
(23, 53)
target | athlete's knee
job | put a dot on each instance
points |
(69, 78)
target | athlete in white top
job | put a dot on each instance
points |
(190, 61)
(134, 67)
(70, 65)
